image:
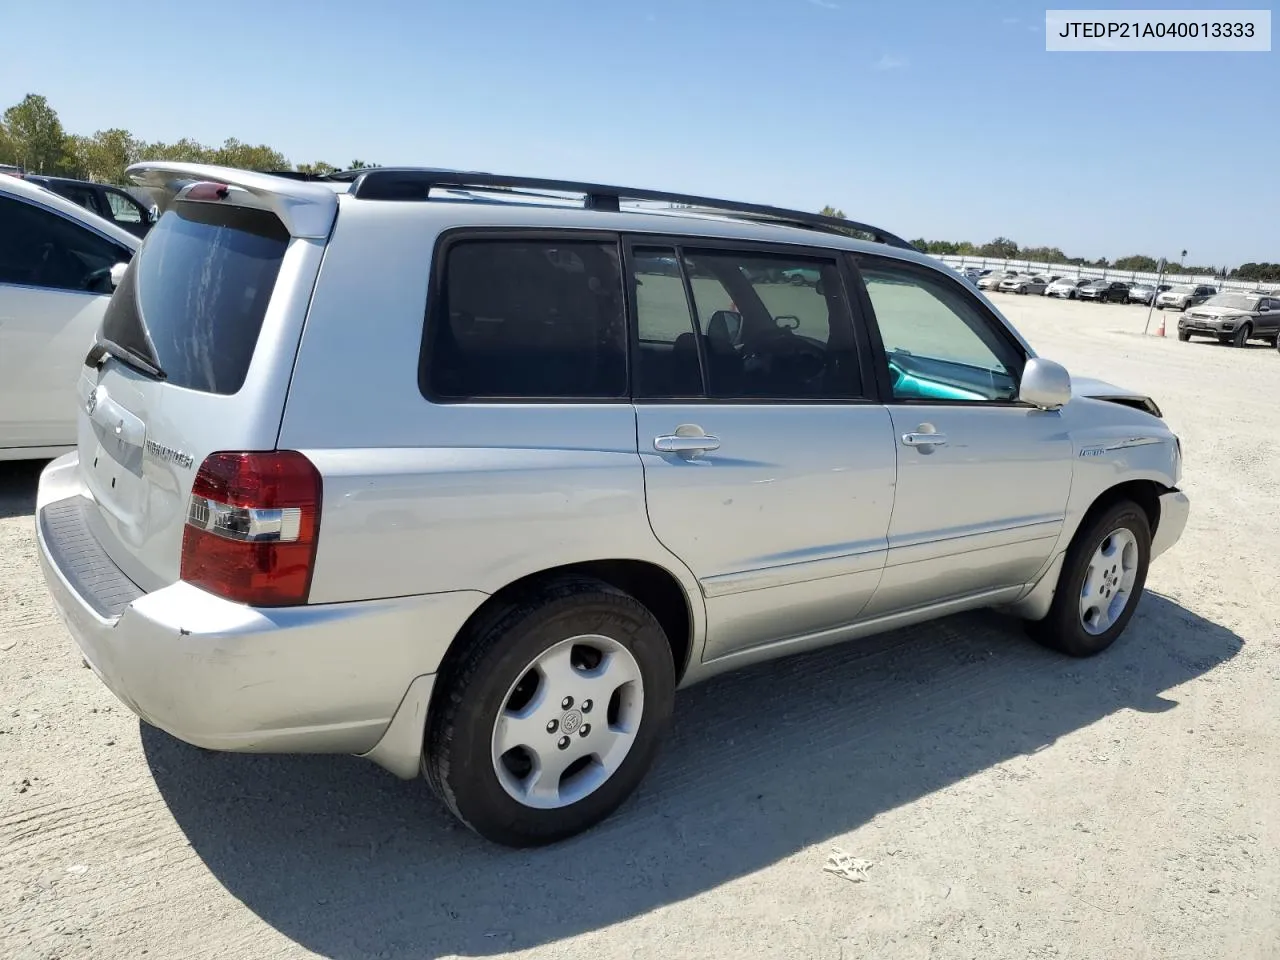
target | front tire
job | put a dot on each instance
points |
(1101, 582)
(553, 714)
(1183, 336)
(1241, 336)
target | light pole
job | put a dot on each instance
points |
(1152, 305)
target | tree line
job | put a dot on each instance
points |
(32, 137)
(1002, 248)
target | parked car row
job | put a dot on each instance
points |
(1231, 318)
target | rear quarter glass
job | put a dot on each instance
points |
(194, 298)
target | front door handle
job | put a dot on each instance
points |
(924, 439)
(686, 446)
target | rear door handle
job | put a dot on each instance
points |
(685, 446)
(924, 439)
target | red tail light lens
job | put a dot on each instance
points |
(252, 526)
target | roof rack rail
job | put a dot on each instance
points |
(416, 183)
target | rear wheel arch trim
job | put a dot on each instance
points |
(400, 748)
(662, 591)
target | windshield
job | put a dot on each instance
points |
(192, 302)
(1182, 289)
(1233, 301)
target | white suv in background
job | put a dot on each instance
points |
(57, 264)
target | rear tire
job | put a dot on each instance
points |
(1101, 582)
(522, 652)
(1241, 337)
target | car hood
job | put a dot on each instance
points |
(1221, 313)
(1102, 390)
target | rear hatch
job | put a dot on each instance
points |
(194, 356)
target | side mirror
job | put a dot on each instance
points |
(727, 324)
(117, 274)
(1045, 384)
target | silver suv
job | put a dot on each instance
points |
(467, 473)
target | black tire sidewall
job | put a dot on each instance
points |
(1062, 629)
(460, 733)
(1241, 337)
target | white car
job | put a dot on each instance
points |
(1066, 287)
(58, 267)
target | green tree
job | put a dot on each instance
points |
(830, 211)
(8, 149)
(1044, 254)
(1000, 247)
(183, 151)
(243, 156)
(1137, 261)
(317, 169)
(361, 165)
(104, 156)
(36, 133)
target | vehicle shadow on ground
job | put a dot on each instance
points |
(352, 863)
(18, 482)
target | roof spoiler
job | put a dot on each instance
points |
(306, 209)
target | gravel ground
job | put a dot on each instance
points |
(1012, 803)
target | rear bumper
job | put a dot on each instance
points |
(324, 678)
(1175, 508)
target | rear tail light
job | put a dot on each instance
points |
(252, 526)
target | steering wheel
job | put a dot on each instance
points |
(95, 277)
(788, 356)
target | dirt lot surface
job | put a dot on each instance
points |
(1013, 803)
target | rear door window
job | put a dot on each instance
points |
(193, 300)
(527, 320)
(725, 325)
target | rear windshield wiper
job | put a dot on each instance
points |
(104, 348)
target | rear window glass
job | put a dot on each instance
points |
(194, 297)
(536, 319)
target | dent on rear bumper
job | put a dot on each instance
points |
(326, 678)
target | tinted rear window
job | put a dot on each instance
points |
(536, 319)
(194, 298)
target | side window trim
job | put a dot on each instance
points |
(630, 243)
(436, 283)
(867, 367)
(881, 358)
(75, 221)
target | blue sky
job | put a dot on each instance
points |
(944, 119)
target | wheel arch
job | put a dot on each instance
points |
(1144, 491)
(400, 748)
(657, 588)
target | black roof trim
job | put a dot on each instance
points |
(416, 183)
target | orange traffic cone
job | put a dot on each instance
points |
(1160, 332)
